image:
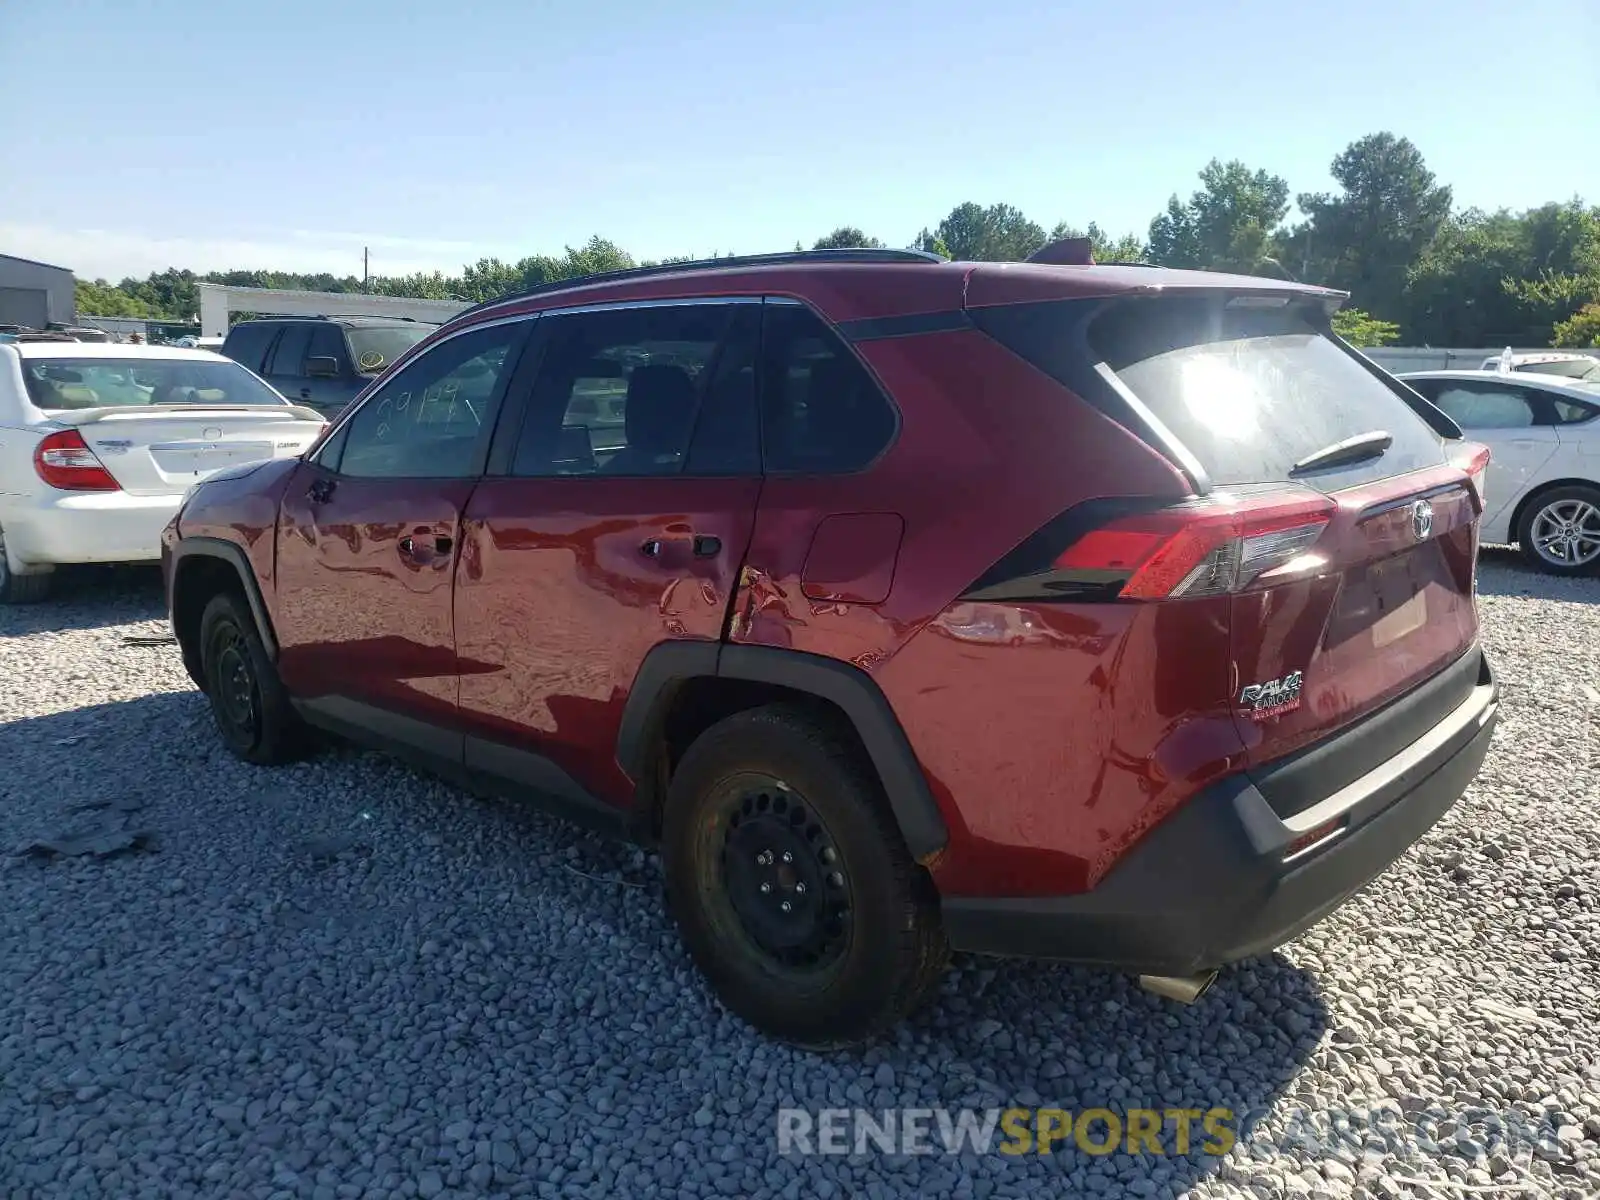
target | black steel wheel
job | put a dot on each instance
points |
(791, 884)
(251, 709)
(783, 877)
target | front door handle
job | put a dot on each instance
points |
(305, 393)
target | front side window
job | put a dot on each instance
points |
(432, 420)
(289, 355)
(65, 384)
(618, 391)
(326, 343)
(1486, 405)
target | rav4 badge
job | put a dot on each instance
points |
(1273, 697)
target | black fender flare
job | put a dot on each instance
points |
(847, 687)
(234, 555)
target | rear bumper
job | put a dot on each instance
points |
(87, 527)
(1215, 882)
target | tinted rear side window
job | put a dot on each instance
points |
(247, 344)
(821, 412)
(1248, 391)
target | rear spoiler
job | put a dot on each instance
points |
(89, 416)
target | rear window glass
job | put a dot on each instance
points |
(1572, 368)
(1248, 391)
(65, 384)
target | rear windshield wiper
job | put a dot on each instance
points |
(1352, 449)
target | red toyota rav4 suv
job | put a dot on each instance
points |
(1102, 613)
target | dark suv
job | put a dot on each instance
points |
(323, 362)
(1101, 613)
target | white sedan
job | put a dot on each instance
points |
(1543, 434)
(98, 444)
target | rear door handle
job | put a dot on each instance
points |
(424, 549)
(705, 546)
(321, 491)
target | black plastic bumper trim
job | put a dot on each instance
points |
(1210, 885)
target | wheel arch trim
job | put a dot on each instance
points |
(851, 690)
(234, 555)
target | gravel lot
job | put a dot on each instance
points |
(342, 979)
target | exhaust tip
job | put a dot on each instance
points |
(1185, 989)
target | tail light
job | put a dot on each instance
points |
(64, 460)
(1473, 458)
(1151, 550)
(1211, 547)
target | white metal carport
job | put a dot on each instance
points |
(218, 300)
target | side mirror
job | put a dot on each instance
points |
(322, 367)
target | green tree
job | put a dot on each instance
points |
(170, 294)
(847, 237)
(1564, 249)
(1230, 224)
(972, 233)
(1107, 249)
(101, 299)
(423, 285)
(488, 278)
(1363, 329)
(1455, 290)
(1582, 330)
(1366, 238)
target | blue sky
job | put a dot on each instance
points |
(217, 134)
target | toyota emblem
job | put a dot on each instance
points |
(211, 434)
(1422, 519)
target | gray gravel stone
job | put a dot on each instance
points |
(438, 1002)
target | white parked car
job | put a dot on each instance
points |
(99, 442)
(1543, 434)
(1579, 368)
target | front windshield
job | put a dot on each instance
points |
(374, 347)
(1572, 368)
(64, 384)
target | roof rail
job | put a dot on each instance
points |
(327, 317)
(862, 255)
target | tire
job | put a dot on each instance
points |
(21, 589)
(249, 703)
(862, 945)
(1574, 508)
